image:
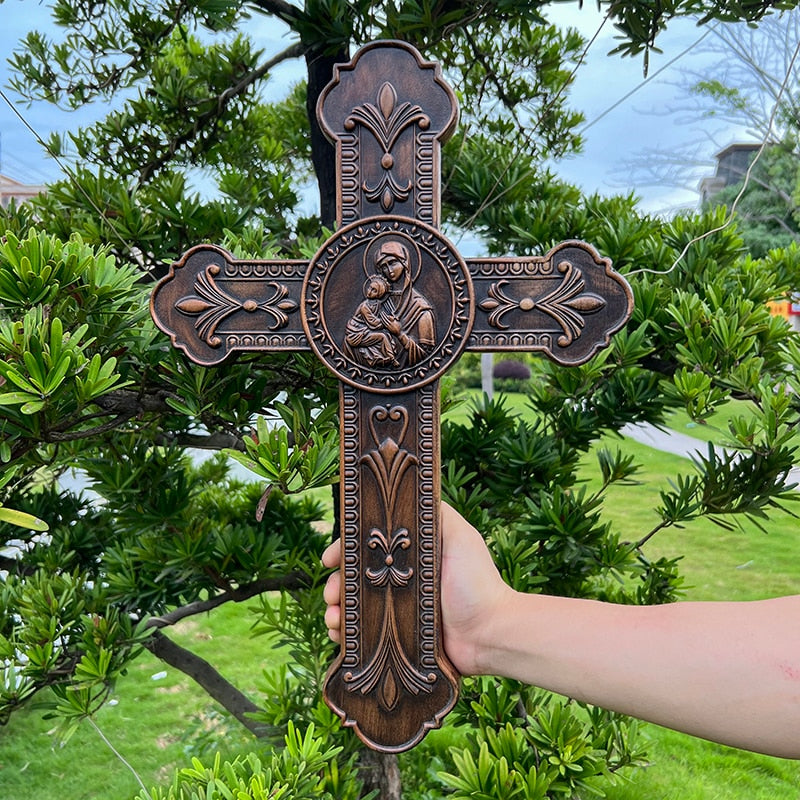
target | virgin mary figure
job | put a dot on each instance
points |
(407, 313)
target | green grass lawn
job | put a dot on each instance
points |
(718, 564)
(152, 708)
(684, 768)
(155, 705)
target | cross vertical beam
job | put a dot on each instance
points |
(388, 112)
(388, 304)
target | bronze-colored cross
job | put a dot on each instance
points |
(388, 304)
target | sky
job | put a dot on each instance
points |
(646, 122)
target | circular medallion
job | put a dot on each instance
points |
(387, 304)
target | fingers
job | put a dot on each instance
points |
(332, 591)
(332, 555)
(333, 619)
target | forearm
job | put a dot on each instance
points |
(729, 672)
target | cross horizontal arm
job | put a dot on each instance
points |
(566, 304)
(211, 304)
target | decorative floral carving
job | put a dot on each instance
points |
(386, 121)
(389, 461)
(388, 191)
(389, 666)
(389, 572)
(566, 304)
(211, 305)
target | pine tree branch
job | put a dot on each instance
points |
(294, 580)
(279, 8)
(213, 441)
(63, 434)
(201, 121)
(125, 401)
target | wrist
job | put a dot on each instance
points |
(509, 642)
(498, 631)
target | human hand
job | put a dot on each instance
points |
(394, 326)
(472, 593)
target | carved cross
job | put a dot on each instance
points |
(388, 304)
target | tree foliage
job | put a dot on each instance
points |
(87, 383)
(747, 88)
(758, 89)
(768, 207)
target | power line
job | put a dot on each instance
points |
(647, 80)
(527, 136)
(62, 165)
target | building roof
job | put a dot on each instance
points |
(737, 147)
(16, 190)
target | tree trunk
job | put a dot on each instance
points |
(323, 154)
(487, 377)
(380, 771)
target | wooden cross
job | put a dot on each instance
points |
(388, 304)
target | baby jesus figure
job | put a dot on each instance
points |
(367, 341)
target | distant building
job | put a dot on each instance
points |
(732, 164)
(14, 190)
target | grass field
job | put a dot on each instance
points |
(152, 708)
(154, 705)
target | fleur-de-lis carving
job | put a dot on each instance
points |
(389, 572)
(566, 304)
(386, 120)
(388, 191)
(211, 305)
(389, 461)
(389, 669)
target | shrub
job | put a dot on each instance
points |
(511, 375)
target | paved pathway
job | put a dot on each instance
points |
(679, 444)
